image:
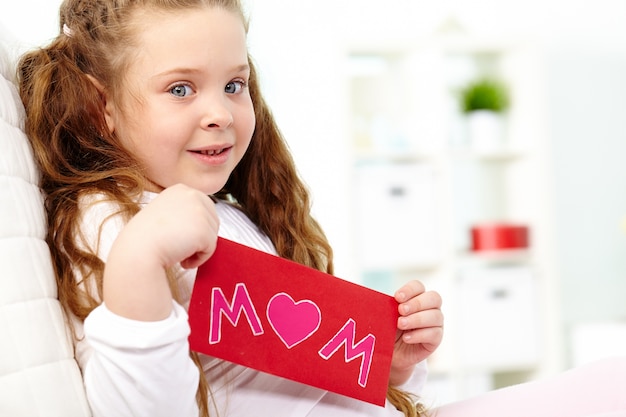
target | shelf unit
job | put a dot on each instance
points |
(420, 183)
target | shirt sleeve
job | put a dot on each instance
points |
(130, 367)
(415, 384)
(140, 368)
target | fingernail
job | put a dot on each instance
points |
(402, 322)
(406, 309)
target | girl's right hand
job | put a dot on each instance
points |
(179, 226)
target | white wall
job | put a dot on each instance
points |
(297, 46)
(584, 62)
(587, 92)
(31, 22)
(301, 71)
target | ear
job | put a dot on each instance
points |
(109, 108)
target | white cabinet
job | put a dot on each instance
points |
(420, 183)
(497, 315)
(396, 203)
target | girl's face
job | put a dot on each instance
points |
(185, 110)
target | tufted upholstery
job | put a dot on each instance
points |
(38, 373)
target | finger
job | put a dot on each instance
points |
(196, 259)
(425, 301)
(409, 290)
(206, 250)
(421, 320)
(211, 212)
(430, 338)
(207, 235)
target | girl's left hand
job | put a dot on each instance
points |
(420, 329)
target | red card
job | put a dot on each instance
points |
(280, 317)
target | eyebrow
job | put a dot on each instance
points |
(184, 70)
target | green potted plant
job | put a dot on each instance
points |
(485, 94)
(484, 103)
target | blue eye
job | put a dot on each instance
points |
(235, 87)
(181, 90)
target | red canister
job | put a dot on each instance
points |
(499, 236)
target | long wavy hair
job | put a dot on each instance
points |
(77, 155)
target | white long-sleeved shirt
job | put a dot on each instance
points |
(134, 368)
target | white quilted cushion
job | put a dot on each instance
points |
(38, 373)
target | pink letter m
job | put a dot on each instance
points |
(365, 349)
(241, 303)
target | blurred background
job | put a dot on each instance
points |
(477, 145)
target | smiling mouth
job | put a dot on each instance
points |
(211, 152)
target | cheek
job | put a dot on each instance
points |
(147, 145)
(125, 139)
(247, 124)
(251, 125)
(128, 129)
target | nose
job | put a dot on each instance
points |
(217, 114)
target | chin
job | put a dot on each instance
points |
(208, 185)
(210, 190)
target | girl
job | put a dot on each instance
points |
(138, 112)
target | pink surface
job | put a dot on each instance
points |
(594, 390)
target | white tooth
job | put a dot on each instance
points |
(212, 152)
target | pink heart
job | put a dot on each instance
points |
(293, 322)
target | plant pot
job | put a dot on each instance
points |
(486, 130)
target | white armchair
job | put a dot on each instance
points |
(38, 373)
